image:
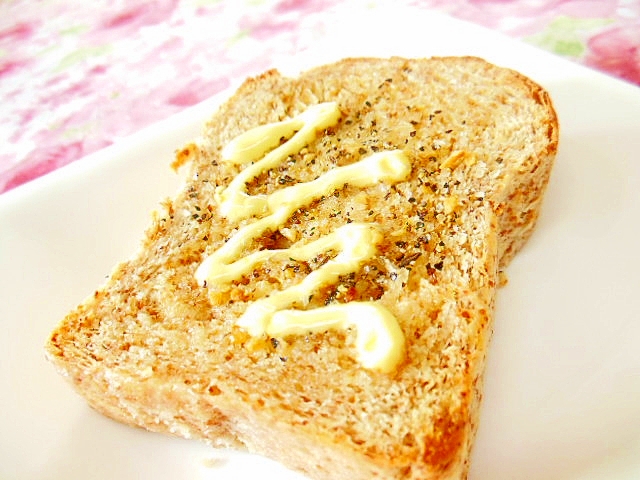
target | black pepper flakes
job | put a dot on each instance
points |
(330, 298)
(285, 179)
(409, 259)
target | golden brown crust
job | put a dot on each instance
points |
(152, 348)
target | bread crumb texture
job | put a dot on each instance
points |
(154, 349)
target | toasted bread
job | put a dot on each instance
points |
(160, 348)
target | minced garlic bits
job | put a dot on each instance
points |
(379, 340)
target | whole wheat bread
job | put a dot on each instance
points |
(154, 348)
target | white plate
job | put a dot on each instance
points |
(563, 382)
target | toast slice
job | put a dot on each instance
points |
(421, 178)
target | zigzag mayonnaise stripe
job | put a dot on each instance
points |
(379, 339)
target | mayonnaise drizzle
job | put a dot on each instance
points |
(379, 339)
(234, 202)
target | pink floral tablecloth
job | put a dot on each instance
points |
(75, 75)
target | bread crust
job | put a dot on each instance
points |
(152, 348)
